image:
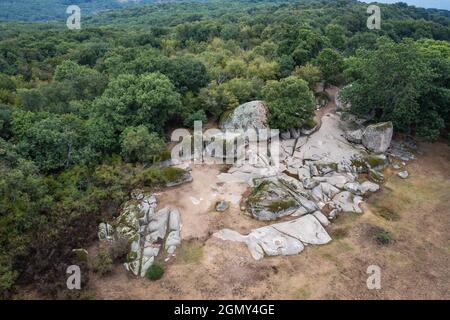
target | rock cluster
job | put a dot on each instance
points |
(147, 230)
(316, 179)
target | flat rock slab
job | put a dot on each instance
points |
(285, 238)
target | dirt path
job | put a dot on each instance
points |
(330, 107)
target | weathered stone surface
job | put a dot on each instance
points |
(105, 232)
(275, 243)
(174, 220)
(403, 174)
(250, 115)
(295, 133)
(322, 218)
(303, 173)
(377, 137)
(285, 135)
(270, 201)
(329, 144)
(307, 229)
(376, 176)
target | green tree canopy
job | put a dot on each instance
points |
(290, 103)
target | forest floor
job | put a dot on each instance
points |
(415, 265)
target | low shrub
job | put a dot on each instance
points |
(155, 272)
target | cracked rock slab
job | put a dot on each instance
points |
(285, 238)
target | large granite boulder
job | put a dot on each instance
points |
(377, 137)
(250, 115)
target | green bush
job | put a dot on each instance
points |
(155, 272)
(383, 237)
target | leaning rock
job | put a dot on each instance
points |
(250, 115)
(377, 137)
(403, 174)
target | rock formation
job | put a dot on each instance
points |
(146, 230)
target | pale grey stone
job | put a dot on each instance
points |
(250, 115)
(348, 202)
(221, 206)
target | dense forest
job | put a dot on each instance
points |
(45, 10)
(84, 114)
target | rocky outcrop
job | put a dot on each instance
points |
(354, 136)
(145, 229)
(377, 137)
(250, 115)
